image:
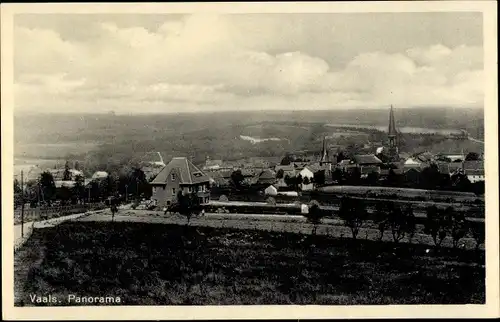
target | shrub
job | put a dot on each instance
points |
(478, 233)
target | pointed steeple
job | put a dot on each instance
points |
(393, 136)
(324, 151)
(392, 124)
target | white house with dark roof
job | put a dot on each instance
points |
(180, 175)
(474, 170)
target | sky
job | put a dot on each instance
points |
(203, 62)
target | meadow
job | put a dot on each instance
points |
(150, 264)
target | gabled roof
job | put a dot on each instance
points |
(188, 172)
(366, 159)
(267, 174)
(285, 168)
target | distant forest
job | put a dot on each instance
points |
(124, 138)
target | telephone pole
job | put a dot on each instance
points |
(22, 204)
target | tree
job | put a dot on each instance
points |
(314, 216)
(48, 186)
(17, 187)
(280, 174)
(402, 223)
(458, 225)
(372, 178)
(289, 181)
(67, 172)
(472, 156)
(338, 175)
(319, 177)
(430, 177)
(354, 176)
(64, 194)
(187, 205)
(341, 155)
(298, 181)
(435, 225)
(76, 166)
(380, 218)
(79, 187)
(353, 213)
(287, 160)
(114, 209)
(411, 222)
(237, 178)
(460, 182)
(478, 233)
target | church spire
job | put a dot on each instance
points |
(392, 135)
(392, 124)
(324, 151)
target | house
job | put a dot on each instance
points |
(99, 175)
(271, 191)
(180, 175)
(217, 179)
(449, 168)
(308, 173)
(212, 164)
(474, 170)
(58, 174)
(366, 170)
(288, 170)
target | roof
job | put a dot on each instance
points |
(99, 175)
(314, 167)
(64, 183)
(424, 156)
(474, 172)
(370, 169)
(474, 165)
(345, 162)
(58, 174)
(267, 174)
(366, 159)
(188, 172)
(285, 168)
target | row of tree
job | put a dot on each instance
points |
(128, 182)
(401, 223)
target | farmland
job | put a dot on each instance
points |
(175, 264)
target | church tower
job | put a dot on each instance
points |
(393, 136)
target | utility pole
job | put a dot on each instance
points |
(126, 193)
(22, 204)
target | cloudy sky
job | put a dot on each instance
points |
(168, 63)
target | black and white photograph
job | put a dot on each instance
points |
(229, 158)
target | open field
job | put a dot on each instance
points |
(147, 264)
(332, 226)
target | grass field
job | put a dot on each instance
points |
(148, 264)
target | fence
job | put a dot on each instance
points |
(44, 213)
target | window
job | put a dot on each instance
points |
(189, 189)
(200, 188)
(173, 176)
(173, 191)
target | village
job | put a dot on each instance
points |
(155, 185)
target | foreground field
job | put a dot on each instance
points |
(150, 264)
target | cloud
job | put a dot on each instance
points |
(212, 62)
